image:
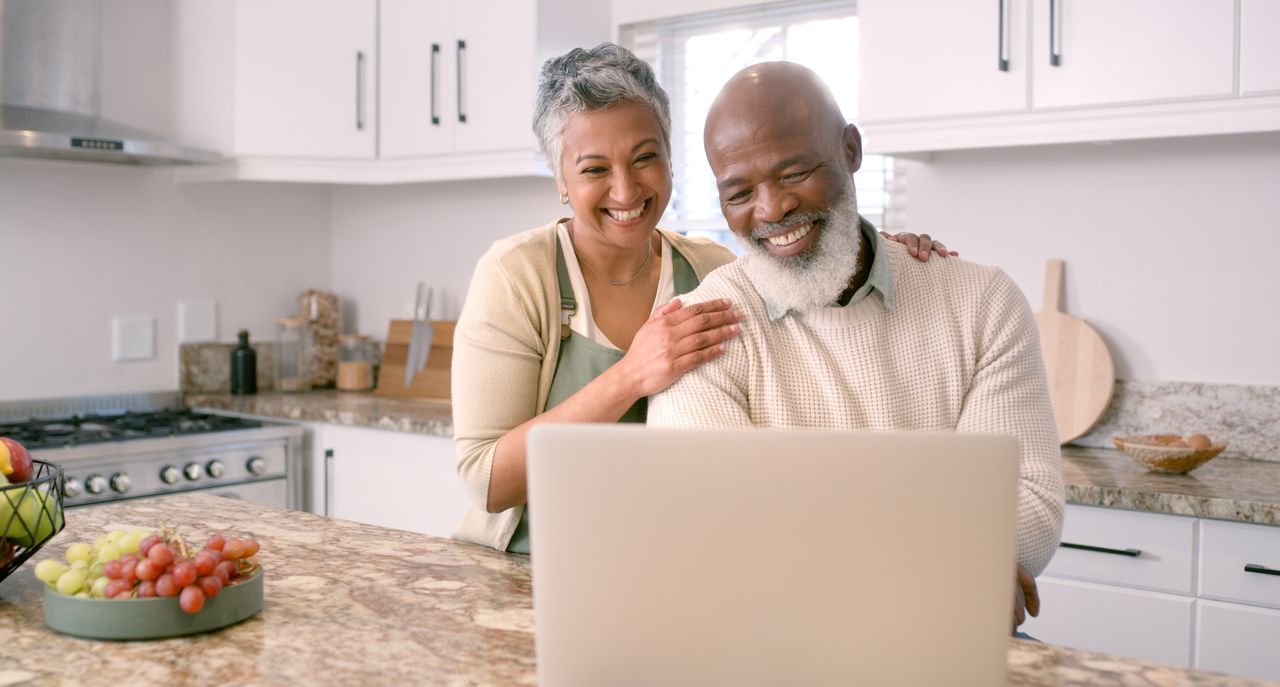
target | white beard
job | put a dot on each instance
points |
(817, 276)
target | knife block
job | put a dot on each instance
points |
(433, 381)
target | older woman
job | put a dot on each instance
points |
(579, 320)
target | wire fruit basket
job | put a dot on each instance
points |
(30, 515)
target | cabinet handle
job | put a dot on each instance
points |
(1055, 26)
(462, 115)
(1001, 52)
(360, 90)
(328, 482)
(1102, 549)
(1255, 568)
(435, 52)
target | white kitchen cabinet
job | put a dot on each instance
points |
(434, 90)
(392, 479)
(1259, 47)
(1076, 70)
(1130, 622)
(1101, 598)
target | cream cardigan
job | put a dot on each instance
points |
(505, 349)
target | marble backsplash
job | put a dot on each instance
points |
(1248, 417)
(206, 367)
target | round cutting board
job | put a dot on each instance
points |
(1081, 374)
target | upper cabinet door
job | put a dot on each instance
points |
(417, 104)
(1131, 51)
(924, 58)
(306, 78)
(1259, 47)
(497, 71)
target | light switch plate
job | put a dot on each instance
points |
(197, 321)
(133, 338)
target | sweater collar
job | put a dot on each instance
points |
(880, 279)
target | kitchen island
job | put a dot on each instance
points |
(356, 604)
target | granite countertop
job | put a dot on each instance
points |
(357, 604)
(355, 409)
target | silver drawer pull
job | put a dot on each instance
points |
(1134, 553)
(1262, 569)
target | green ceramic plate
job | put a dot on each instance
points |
(154, 618)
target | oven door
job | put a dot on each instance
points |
(272, 492)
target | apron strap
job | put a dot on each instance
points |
(568, 305)
(682, 274)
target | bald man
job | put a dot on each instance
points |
(840, 329)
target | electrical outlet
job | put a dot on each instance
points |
(197, 321)
(133, 338)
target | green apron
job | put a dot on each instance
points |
(582, 360)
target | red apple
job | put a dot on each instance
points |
(15, 461)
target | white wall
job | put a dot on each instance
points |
(1172, 247)
(81, 242)
(388, 238)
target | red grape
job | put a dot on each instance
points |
(184, 573)
(146, 589)
(226, 571)
(192, 599)
(147, 571)
(113, 569)
(165, 586)
(161, 555)
(126, 594)
(250, 547)
(114, 587)
(205, 561)
(215, 542)
(211, 584)
(129, 570)
(233, 549)
(147, 543)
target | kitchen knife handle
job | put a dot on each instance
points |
(462, 115)
(360, 90)
(1262, 569)
(328, 481)
(435, 53)
(1055, 26)
(1134, 553)
(1053, 286)
(1001, 29)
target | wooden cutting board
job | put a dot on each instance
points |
(1082, 376)
(433, 381)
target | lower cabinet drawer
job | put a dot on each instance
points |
(1240, 562)
(1238, 640)
(1146, 550)
(1127, 622)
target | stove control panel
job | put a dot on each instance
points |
(120, 482)
(72, 488)
(193, 471)
(95, 484)
(215, 468)
(170, 474)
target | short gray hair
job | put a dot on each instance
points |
(589, 80)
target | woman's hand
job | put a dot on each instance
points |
(675, 340)
(919, 246)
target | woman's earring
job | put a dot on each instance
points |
(564, 198)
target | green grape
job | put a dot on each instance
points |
(49, 570)
(71, 582)
(79, 551)
(129, 542)
(99, 588)
(81, 595)
(113, 537)
(80, 565)
(95, 571)
(109, 552)
(98, 543)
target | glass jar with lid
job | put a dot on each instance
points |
(293, 354)
(355, 363)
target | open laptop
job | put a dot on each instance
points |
(770, 557)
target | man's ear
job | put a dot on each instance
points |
(851, 147)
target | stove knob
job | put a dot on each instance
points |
(95, 484)
(192, 471)
(214, 468)
(256, 465)
(170, 475)
(121, 482)
(72, 488)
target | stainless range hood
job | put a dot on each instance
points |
(49, 90)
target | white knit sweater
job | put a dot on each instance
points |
(959, 351)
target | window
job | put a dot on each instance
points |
(694, 56)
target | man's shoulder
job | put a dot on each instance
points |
(954, 278)
(729, 281)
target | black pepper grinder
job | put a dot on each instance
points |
(244, 367)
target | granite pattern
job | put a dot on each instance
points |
(357, 604)
(1223, 488)
(355, 409)
(206, 367)
(1248, 417)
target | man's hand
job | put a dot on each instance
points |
(1026, 600)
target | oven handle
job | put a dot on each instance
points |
(328, 482)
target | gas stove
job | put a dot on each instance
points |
(113, 448)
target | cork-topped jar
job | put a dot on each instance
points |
(322, 311)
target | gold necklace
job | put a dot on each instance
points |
(648, 256)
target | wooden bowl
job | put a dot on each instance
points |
(1154, 452)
